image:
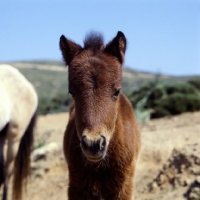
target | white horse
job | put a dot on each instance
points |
(18, 105)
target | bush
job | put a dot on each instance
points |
(195, 83)
(178, 103)
(183, 88)
(162, 99)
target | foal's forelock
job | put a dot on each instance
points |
(94, 41)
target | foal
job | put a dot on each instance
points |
(101, 141)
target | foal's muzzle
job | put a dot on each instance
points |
(94, 150)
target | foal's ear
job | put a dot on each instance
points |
(69, 49)
(117, 46)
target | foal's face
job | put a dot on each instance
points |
(95, 83)
(95, 77)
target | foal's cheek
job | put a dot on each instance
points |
(78, 128)
(112, 118)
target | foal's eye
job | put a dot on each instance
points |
(116, 94)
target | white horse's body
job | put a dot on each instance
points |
(18, 104)
(18, 98)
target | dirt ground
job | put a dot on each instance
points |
(159, 138)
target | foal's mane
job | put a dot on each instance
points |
(94, 41)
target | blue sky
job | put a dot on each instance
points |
(163, 35)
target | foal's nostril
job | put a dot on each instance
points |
(102, 143)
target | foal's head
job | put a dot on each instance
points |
(95, 77)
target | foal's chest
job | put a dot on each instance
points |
(95, 191)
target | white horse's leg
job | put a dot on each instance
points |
(12, 149)
(13, 138)
(2, 143)
(2, 164)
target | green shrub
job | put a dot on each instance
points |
(139, 94)
(178, 103)
(164, 99)
(195, 82)
(183, 88)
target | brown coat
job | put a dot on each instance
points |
(102, 141)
